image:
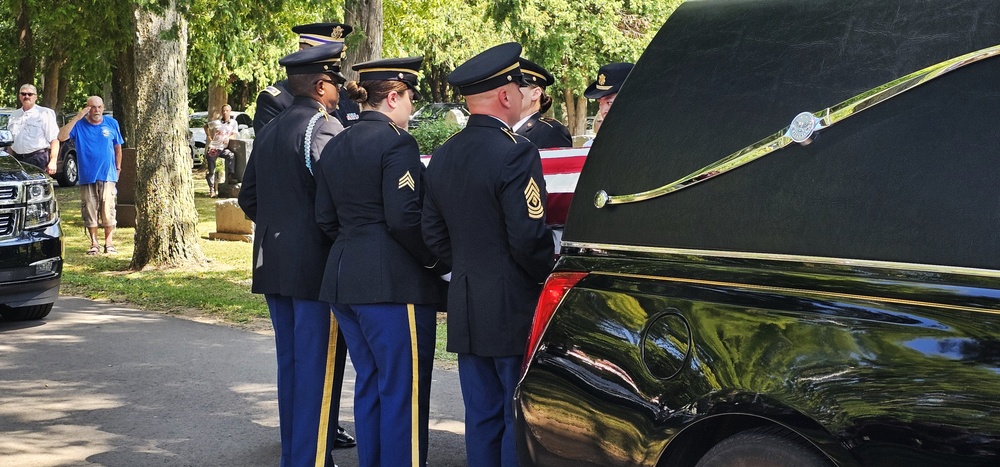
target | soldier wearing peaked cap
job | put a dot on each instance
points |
(381, 278)
(289, 254)
(543, 131)
(275, 98)
(610, 78)
(484, 213)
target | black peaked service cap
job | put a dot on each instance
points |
(391, 69)
(316, 34)
(319, 59)
(488, 70)
(609, 80)
(535, 74)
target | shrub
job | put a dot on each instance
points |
(432, 134)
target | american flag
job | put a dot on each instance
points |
(561, 168)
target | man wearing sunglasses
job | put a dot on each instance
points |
(35, 132)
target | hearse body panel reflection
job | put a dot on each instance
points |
(840, 298)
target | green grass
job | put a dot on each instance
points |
(220, 289)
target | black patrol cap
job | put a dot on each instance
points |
(609, 80)
(535, 74)
(319, 59)
(391, 69)
(491, 69)
(314, 34)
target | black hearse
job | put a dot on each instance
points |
(784, 248)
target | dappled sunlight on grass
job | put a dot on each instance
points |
(221, 286)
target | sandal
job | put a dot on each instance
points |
(94, 249)
(110, 249)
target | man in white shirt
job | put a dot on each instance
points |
(35, 132)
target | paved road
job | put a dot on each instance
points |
(98, 384)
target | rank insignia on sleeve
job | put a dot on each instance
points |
(407, 181)
(533, 196)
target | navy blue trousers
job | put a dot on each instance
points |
(392, 349)
(488, 390)
(311, 358)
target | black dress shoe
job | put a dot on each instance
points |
(343, 439)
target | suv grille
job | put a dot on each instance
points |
(8, 193)
(8, 223)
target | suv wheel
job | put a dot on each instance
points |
(25, 313)
(71, 173)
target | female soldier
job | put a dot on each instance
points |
(543, 131)
(380, 277)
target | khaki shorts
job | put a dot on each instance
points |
(97, 202)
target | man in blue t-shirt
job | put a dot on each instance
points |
(99, 158)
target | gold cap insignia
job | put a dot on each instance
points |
(407, 181)
(533, 196)
(601, 79)
(337, 32)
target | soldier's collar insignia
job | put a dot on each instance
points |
(407, 181)
(533, 197)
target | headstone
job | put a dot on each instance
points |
(231, 223)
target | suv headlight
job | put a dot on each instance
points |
(40, 205)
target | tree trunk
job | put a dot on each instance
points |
(52, 66)
(576, 112)
(366, 40)
(25, 44)
(123, 83)
(166, 231)
(63, 91)
(217, 97)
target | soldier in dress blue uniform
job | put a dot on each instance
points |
(545, 132)
(484, 214)
(275, 98)
(383, 281)
(289, 254)
(610, 78)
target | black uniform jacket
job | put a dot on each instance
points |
(275, 98)
(546, 132)
(484, 214)
(278, 193)
(368, 198)
(270, 102)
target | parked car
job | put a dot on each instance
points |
(458, 112)
(67, 172)
(197, 137)
(774, 257)
(30, 239)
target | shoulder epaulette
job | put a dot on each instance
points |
(272, 91)
(513, 136)
(546, 120)
(395, 127)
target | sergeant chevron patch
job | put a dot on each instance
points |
(407, 181)
(533, 196)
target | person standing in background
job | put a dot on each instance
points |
(36, 133)
(610, 78)
(99, 142)
(219, 132)
(275, 98)
(543, 131)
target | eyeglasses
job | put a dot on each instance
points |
(334, 83)
(26, 94)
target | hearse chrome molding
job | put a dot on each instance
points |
(803, 127)
(605, 248)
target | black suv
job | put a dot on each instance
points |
(777, 257)
(31, 247)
